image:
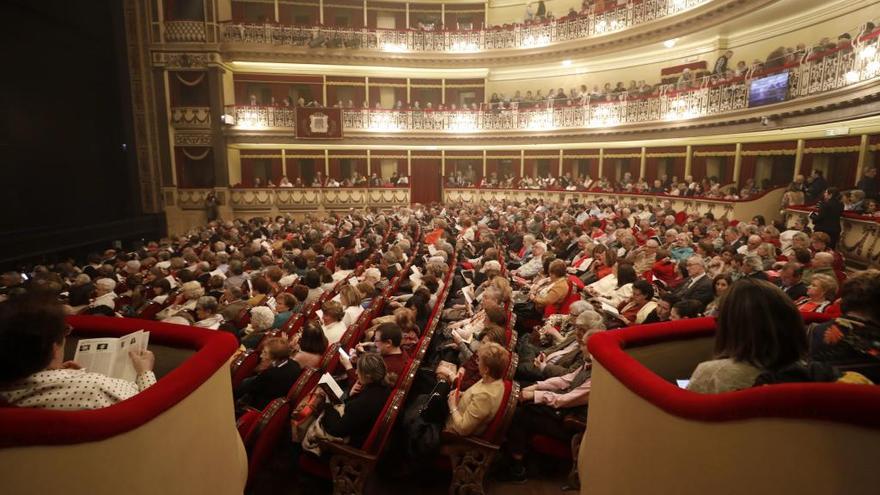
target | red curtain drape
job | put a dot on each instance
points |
(425, 181)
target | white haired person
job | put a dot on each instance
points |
(104, 293)
(262, 318)
(206, 313)
(185, 303)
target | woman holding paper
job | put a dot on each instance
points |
(33, 372)
(363, 406)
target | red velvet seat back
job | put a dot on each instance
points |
(270, 429)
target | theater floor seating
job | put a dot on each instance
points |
(178, 436)
(644, 432)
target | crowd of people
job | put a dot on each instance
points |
(355, 180)
(708, 187)
(551, 273)
(724, 70)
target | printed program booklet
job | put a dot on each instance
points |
(109, 356)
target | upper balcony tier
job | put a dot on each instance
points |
(603, 27)
(837, 77)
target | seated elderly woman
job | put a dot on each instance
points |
(850, 342)
(262, 319)
(276, 373)
(639, 308)
(614, 288)
(33, 372)
(758, 329)
(543, 408)
(820, 295)
(185, 303)
(354, 419)
(561, 357)
(206, 313)
(456, 406)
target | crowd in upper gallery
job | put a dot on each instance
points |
(723, 71)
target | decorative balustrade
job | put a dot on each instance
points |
(191, 117)
(185, 31)
(281, 199)
(528, 35)
(817, 74)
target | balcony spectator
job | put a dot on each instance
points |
(816, 186)
(827, 217)
(854, 201)
(868, 183)
(851, 341)
(258, 182)
(722, 63)
(284, 182)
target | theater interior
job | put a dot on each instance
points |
(621, 247)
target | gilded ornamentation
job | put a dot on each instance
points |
(186, 60)
(192, 139)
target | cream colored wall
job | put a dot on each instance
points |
(233, 157)
(508, 12)
(745, 48)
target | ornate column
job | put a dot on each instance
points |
(737, 163)
(798, 158)
(217, 140)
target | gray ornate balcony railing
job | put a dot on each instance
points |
(817, 74)
(515, 36)
(185, 31)
(191, 117)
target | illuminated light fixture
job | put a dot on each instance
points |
(670, 43)
(394, 47)
(601, 26)
(872, 67)
(566, 63)
(852, 76)
(227, 119)
(868, 51)
(679, 4)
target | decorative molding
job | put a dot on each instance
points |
(698, 153)
(833, 149)
(186, 60)
(193, 139)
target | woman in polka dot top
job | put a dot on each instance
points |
(32, 368)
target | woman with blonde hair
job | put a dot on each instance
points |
(351, 300)
(820, 294)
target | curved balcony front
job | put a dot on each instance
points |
(834, 78)
(590, 33)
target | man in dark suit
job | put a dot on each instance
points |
(276, 374)
(698, 285)
(790, 280)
